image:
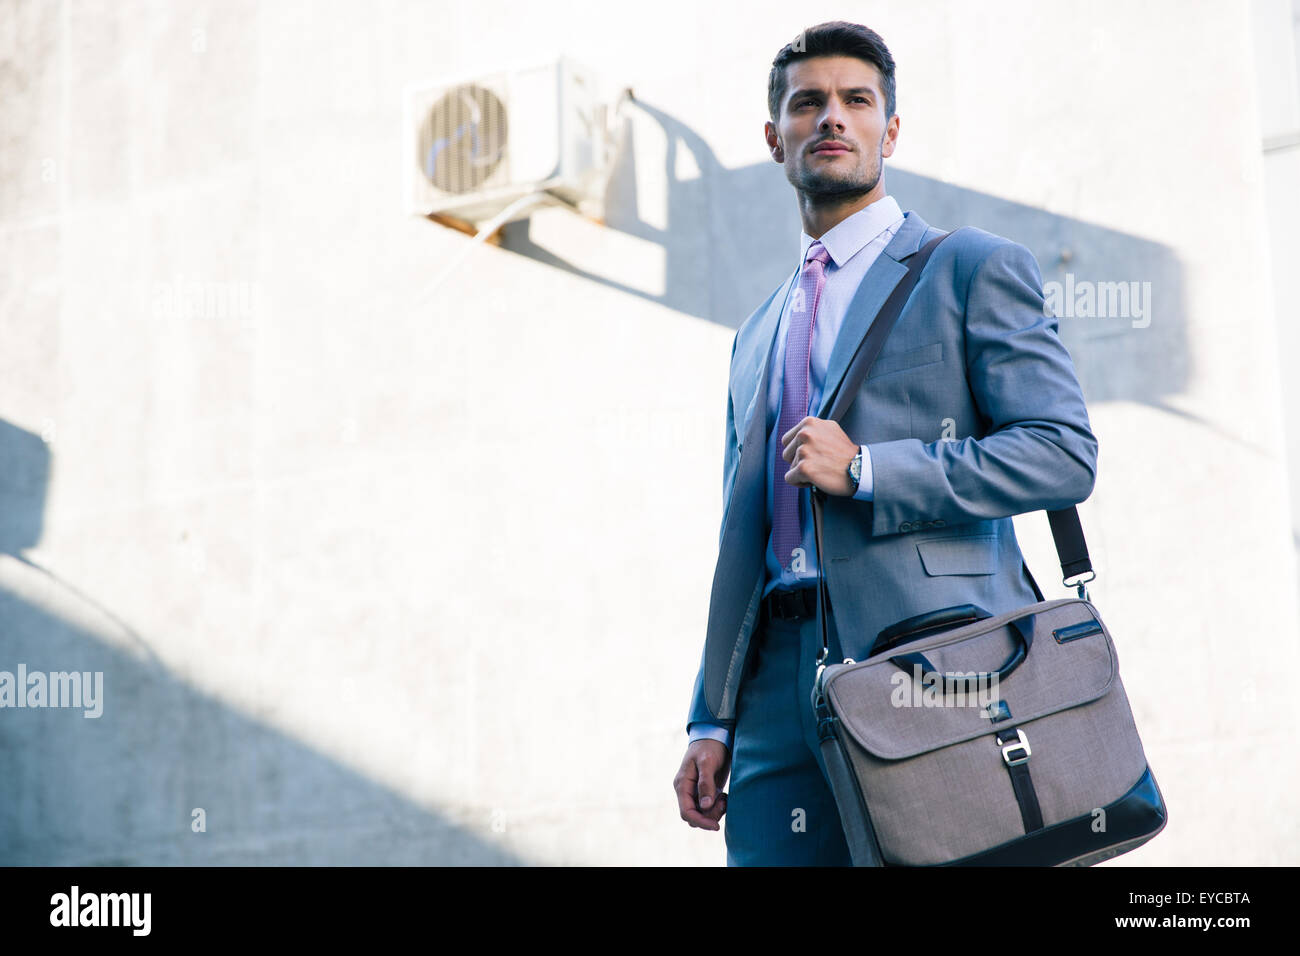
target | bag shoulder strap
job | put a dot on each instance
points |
(880, 328)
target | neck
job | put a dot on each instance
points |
(821, 214)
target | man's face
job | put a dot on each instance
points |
(831, 133)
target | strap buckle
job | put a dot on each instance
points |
(1020, 743)
(1083, 592)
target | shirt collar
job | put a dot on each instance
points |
(847, 237)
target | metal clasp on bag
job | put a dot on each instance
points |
(825, 720)
(821, 662)
(1020, 743)
(1083, 592)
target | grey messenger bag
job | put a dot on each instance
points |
(935, 760)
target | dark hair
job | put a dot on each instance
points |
(835, 38)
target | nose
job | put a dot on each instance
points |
(831, 119)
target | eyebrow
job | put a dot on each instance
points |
(851, 91)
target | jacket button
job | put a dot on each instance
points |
(905, 526)
(938, 523)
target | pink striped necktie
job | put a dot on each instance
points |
(786, 534)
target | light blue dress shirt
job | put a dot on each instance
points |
(853, 244)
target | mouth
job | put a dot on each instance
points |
(832, 148)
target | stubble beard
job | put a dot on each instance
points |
(822, 188)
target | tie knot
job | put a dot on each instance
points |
(817, 253)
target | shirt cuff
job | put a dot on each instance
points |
(702, 731)
(865, 486)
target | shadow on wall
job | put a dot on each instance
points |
(120, 789)
(731, 237)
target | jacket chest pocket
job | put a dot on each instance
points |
(903, 361)
(971, 554)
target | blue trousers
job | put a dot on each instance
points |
(780, 810)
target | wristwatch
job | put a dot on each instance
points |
(855, 471)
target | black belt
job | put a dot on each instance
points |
(788, 605)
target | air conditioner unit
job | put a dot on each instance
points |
(476, 144)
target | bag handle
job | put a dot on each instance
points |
(911, 628)
(916, 661)
(1067, 530)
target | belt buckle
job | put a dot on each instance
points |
(788, 604)
(776, 604)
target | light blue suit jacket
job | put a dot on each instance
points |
(972, 413)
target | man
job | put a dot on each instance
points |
(971, 413)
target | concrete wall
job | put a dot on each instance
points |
(1277, 72)
(379, 573)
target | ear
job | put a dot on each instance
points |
(773, 142)
(890, 139)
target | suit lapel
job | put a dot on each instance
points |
(885, 273)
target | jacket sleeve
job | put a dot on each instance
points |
(1037, 451)
(699, 710)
